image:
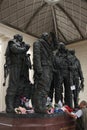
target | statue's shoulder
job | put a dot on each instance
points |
(37, 43)
(12, 41)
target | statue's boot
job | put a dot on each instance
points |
(17, 102)
(76, 104)
(40, 102)
(9, 100)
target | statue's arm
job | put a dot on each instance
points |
(15, 48)
(37, 57)
(80, 71)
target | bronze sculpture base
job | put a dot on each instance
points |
(58, 121)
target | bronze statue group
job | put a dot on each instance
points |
(57, 70)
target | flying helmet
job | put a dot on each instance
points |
(18, 37)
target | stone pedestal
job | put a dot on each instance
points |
(58, 121)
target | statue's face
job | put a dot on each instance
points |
(73, 52)
(18, 37)
(45, 36)
(62, 47)
(50, 39)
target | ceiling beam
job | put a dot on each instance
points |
(76, 41)
(54, 20)
(1, 1)
(62, 35)
(33, 16)
(55, 24)
(9, 25)
(70, 18)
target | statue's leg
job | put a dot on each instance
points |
(43, 87)
(51, 92)
(76, 93)
(40, 102)
(58, 89)
(12, 88)
(9, 100)
(68, 93)
(75, 99)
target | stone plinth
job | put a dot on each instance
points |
(58, 121)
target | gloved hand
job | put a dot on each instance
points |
(39, 73)
(82, 85)
(27, 47)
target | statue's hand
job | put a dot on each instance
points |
(27, 47)
(82, 85)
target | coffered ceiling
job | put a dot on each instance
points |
(67, 18)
